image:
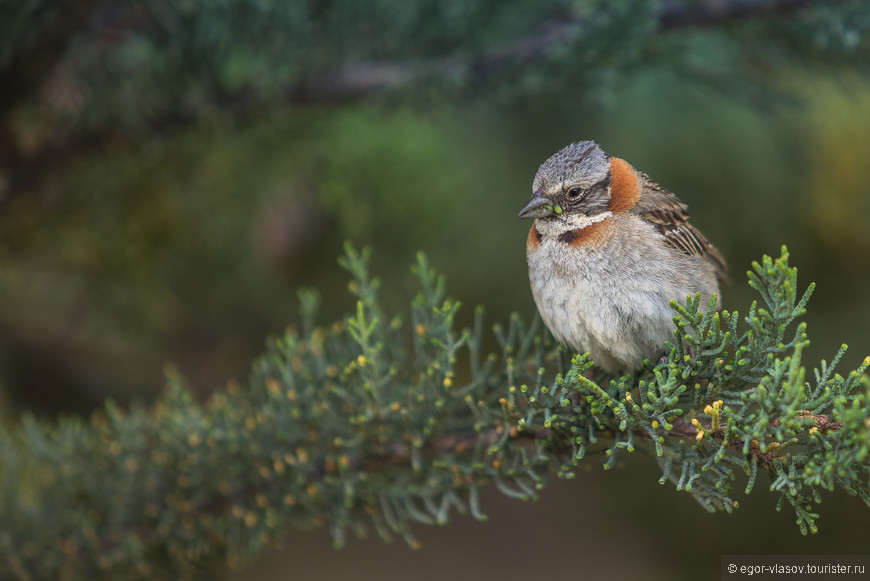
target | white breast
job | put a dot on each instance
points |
(611, 297)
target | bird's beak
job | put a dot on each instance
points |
(538, 206)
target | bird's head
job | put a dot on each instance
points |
(575, 181)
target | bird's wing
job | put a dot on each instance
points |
(670, 216)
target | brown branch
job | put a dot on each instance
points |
(463, 442)
(679, 14)
(398, 453)
(823, 422)
(684, 429)
(363, 79)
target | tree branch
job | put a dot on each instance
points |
(679, 14)
(353, 82)
(362, 79)
(685, 429)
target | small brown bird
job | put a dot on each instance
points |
(608, 251)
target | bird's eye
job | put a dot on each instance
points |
(573, 192)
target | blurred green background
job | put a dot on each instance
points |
(171, 173)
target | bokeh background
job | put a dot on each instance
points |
(171, 173)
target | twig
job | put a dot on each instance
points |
(685, 429)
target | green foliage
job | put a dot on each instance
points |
(360, 425)
(739, 403)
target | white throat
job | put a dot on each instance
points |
(562, 224)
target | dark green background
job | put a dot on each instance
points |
(183, 235)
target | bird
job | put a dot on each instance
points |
(608, 251)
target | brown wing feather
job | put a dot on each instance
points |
(663, 209)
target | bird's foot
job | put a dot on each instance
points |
(591, 372)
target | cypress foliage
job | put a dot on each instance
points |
(375, 422)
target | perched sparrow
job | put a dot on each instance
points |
(608, 251)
